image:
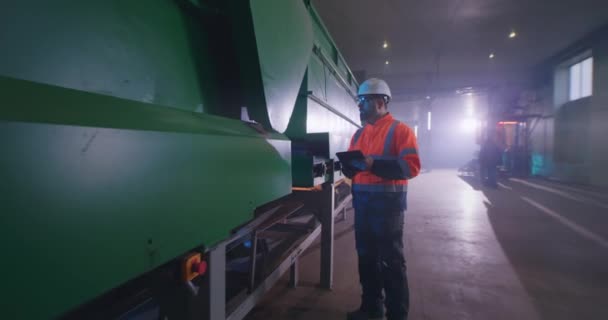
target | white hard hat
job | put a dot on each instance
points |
(375, 86)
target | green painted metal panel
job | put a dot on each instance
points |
(97, 190)
(322, 39)
(316, 80)
(318, 118)
(329, 46)
(313, 124)
(152, 53)
(283, 33)
(320, 82)
(118, 166)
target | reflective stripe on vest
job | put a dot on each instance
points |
(384, 157)
(407, 151)
(380, 187)
(389, 138)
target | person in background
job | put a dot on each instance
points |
(489, 158)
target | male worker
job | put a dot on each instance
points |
(379, 200)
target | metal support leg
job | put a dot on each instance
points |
(343, 214)
(217, 283)
(293, 274)
(327, 236)
(252, 266)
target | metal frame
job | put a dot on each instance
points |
(322, 202)
(341, 209)
(256, 295)
(217, 282)
(327, 215)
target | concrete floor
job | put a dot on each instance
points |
(528, 250)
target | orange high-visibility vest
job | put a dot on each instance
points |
(392, 141)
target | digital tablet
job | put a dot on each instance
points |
(352, 159)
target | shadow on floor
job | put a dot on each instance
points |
(565, 275)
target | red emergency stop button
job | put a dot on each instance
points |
(199, 267)
(193, 266)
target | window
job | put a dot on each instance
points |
(581, 79)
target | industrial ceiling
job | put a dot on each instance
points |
(422, 47)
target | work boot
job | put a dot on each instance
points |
(364, 315)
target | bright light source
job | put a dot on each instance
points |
(428, 121)
(507, 122)
(416, 130)
(387, 62)
(513, 34)
(470, 111)
(470, 106)
(385, 45)
(491, 55)
(469, 94)
(469, 125)
(428, 97)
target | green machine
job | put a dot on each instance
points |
(324, 117)
(134, 134)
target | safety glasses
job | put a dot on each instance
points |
(362, 99)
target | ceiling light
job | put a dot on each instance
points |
(385, 45)
(491, 55)
(387, 62)
(513, 34)
(428, 97)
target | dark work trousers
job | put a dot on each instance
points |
(379, 219)
(488, 174)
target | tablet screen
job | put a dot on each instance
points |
(353, 159)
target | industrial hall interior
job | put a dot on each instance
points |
(304, 159)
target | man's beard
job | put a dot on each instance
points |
(365, 117)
